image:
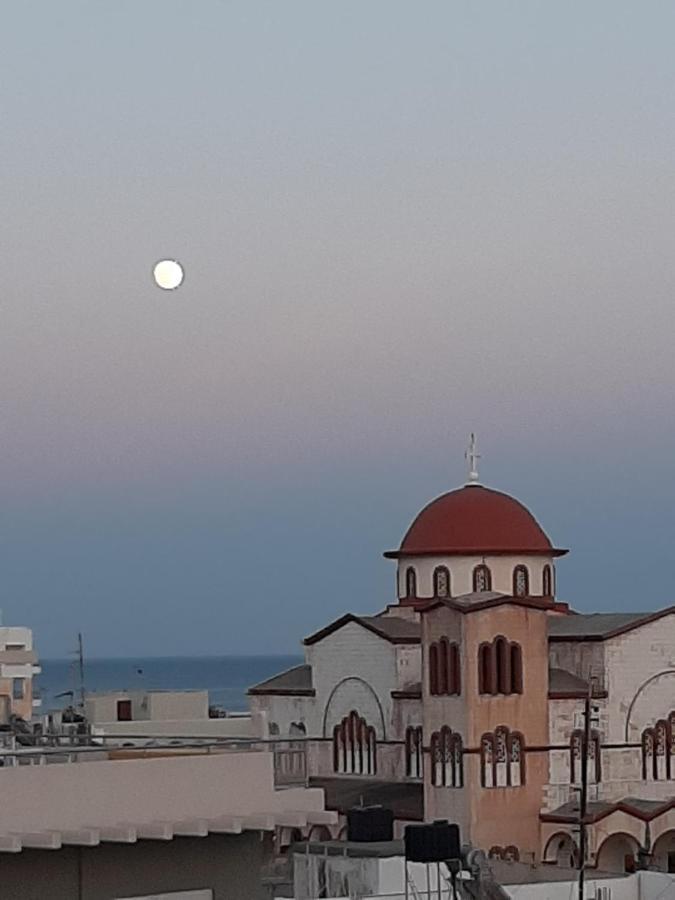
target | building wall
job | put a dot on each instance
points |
(461, 572)
(227, 864)
(177, 704)
(508, 815)
(582, 658)
(352, 668)
(283, 711)
(632, 661)
(408, 664)
(445, 802)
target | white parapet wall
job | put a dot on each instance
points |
(162, 791)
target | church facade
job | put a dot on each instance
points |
(470, 689)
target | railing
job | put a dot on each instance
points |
(290, 764)
(289, 756)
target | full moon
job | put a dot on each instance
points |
(168, 274)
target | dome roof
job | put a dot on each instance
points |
(475, 520)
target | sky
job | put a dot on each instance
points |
(399, 223)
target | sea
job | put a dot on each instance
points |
(227, 678)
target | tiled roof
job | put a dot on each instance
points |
(595, 626)
(297, 680)
(635, 806)
(395, 629)
(560, 681)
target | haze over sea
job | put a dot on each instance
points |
(226, 678)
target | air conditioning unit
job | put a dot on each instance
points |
(601, 893)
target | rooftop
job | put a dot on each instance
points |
(295, 681)
(599, 626)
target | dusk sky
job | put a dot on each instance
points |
(399, 223)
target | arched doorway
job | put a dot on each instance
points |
(617, 853)
(319, 833)
(561, 850)
(663, 852)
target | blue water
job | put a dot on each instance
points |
(226, 678)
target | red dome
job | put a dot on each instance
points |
(475, 520)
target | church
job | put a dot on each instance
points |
(464, 699)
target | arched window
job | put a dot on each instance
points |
(455, 670)
(482, 579)
(441, 581)
(503, 665)
(354, 746)
(521, 581)
(648, 757)
(444, 660)
(500, 667)
(487, 760)
(547, 581)
(661, 751)
(444, 668)
(485, 674)
(446, 758)
(433, 669)
(413, 751)
(410, 582)
(502, 759)
(516, 669)
(593, 770)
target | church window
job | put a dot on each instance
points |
(658, 750)
(413, 751)
(516, 669)
(502, 759)
(487, 762)
(443, 656)
(547, 581)
(441, 582)
(500, 667)
(503, 666)
(446, 758)
(482, 579)
(521, 581)
(410, 582)
(594, 757)
(648, 759)
(354, 746)
(444, 668)
(433, 669)
(485, 680)
(515, 751)
(661, 752)
(455, 670)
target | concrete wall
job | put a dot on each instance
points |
(235, 726)
(229, 865)
(69, 796)
(461, 572)
(284, 711)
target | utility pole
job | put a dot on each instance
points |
(585, 743)
(80, 656)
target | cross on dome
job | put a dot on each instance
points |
(472, 456)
